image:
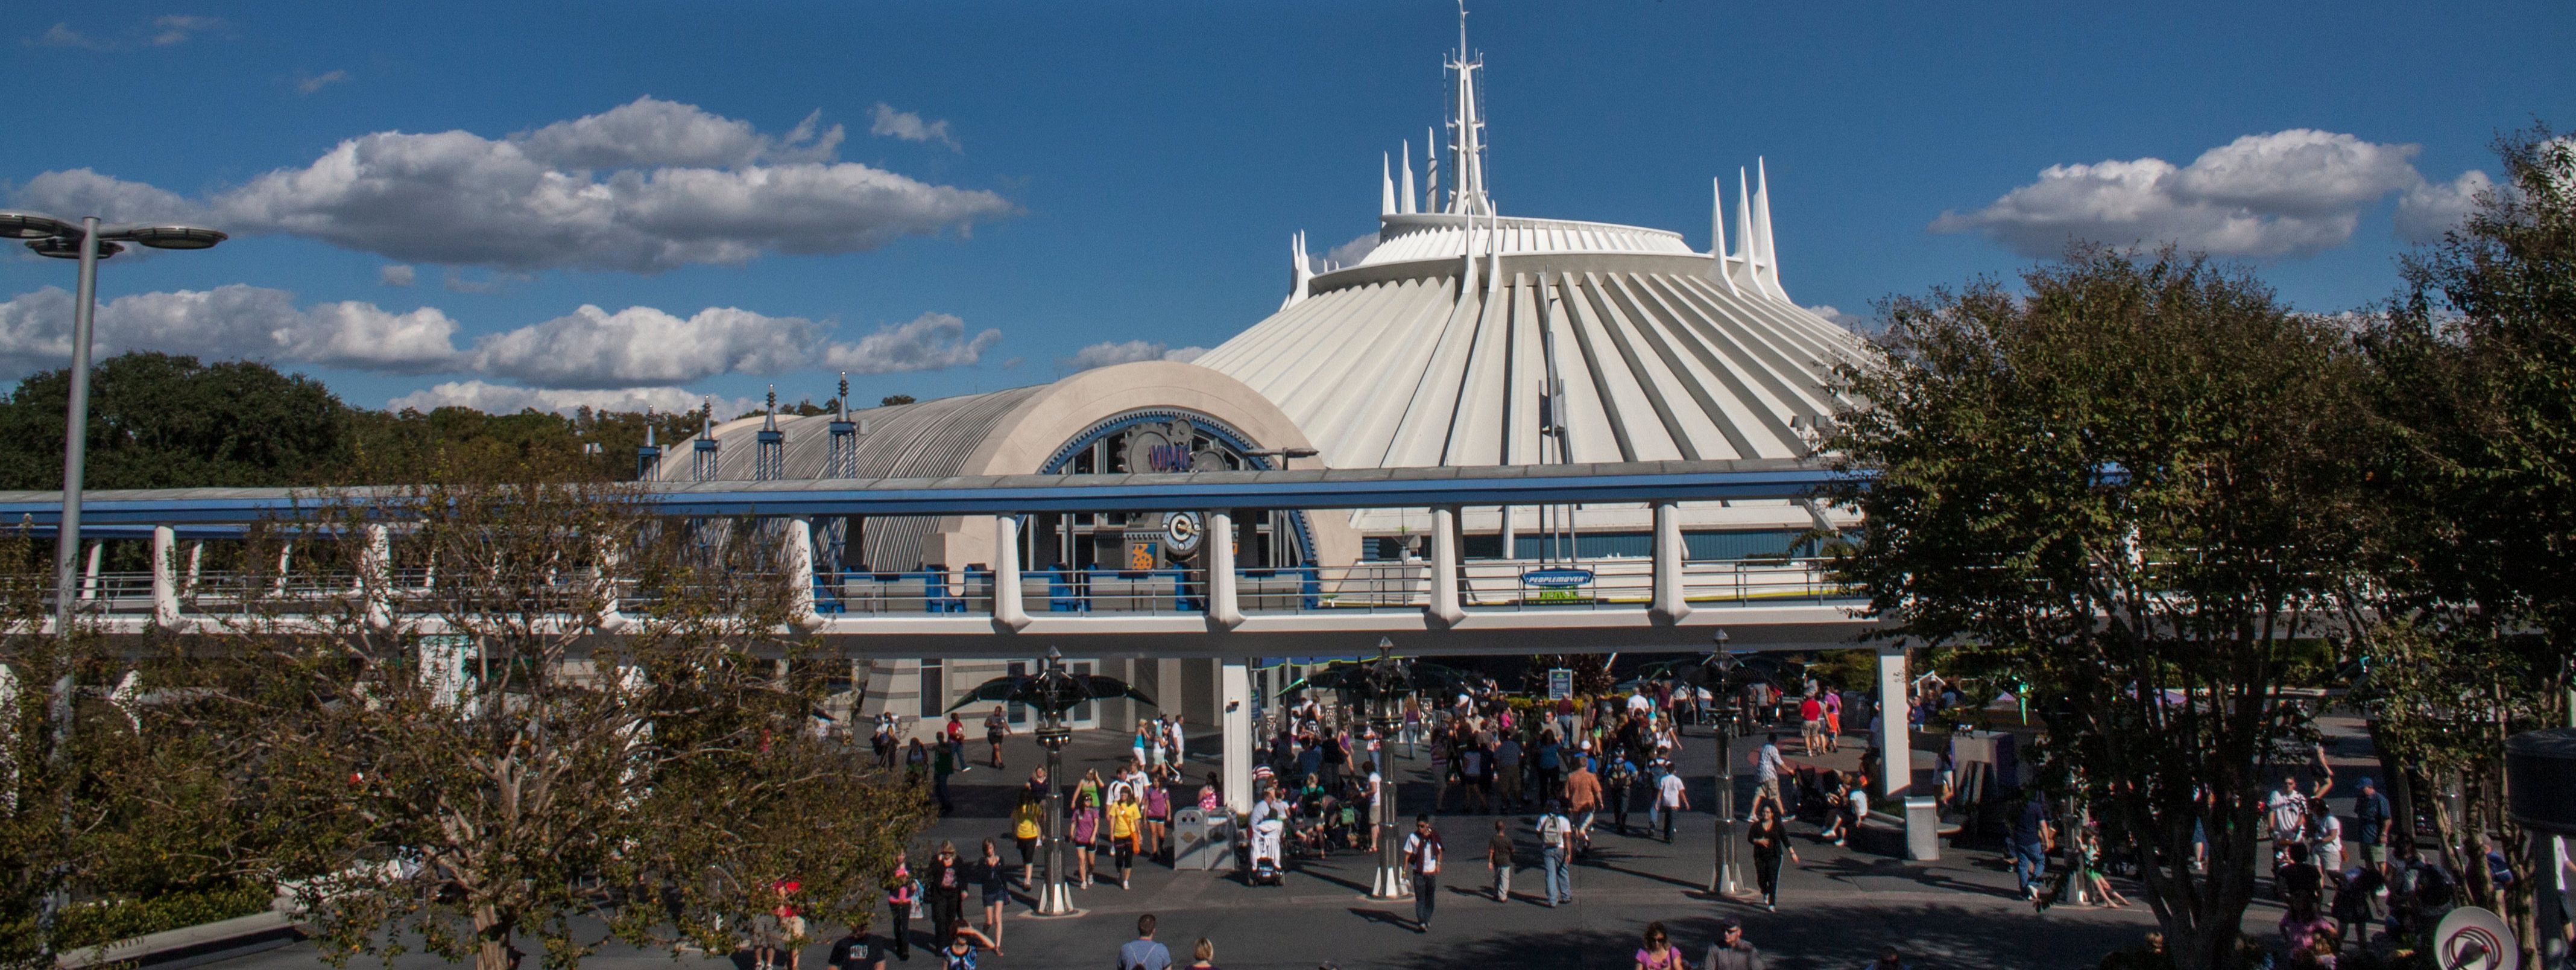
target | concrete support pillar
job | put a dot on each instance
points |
(89, 572)
(165, 576)
(196, 562)
(1669, 603)
(1224, 609)
(1008, 610)
(799, 553)
(1234, 682)
(1444, 608)
(1894, 742)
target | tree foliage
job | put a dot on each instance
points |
(2477, 399)
(2130, 487)
(485, 738)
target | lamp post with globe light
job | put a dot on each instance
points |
(1053, 691)
(88, 242)
(1718, 676)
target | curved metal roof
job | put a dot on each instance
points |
(1392, 365)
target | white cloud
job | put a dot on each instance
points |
(231, 322)
(1349, 253)
(87, 192)
(319, 81)
(505, 399)
(1111, 353)
(931, 341)
(909, 127)
(1847, 321)
(588, 349)
(396, 274)
(62, 35)
(2285, 194)
(592, 348)
(646, 187)
(177, 29)
(2427, 211)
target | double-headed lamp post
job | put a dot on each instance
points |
(88, 242)
(1721, 665)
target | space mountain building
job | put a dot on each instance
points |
(1464, 337)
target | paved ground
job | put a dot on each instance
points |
(1838, 906)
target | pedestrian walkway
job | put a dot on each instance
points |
(1836, 909)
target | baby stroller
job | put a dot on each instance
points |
(1267, 860)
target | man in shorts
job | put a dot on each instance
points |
(997, 726)
(2287, 810)
(1811, 725)
(2370, 812)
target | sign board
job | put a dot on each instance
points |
(1153, 447)
(1560, 683)
(1558, 584)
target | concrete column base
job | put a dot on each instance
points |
(1391, 884)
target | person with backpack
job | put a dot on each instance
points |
(1422, 855)
(1555, 846)
(1142, 953)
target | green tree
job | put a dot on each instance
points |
(525, 704)
(163, 421)
(2130, 487)
(2478, 401)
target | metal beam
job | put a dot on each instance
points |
(1607, 482)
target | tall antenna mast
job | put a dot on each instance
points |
(1467, 143)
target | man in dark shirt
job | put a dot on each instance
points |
(857, 951)
(2370, 809)
(2031, 832)
(1498, 859)
(2301, 881)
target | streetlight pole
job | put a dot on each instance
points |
(1056, 898)
(1723, 883)
(1393, 881)
(87, 242)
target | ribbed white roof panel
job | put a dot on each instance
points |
(1388, 364)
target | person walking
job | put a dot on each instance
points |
(1086, 828)
(1732, 951)
(1555, 845)
(946, 879)
(1767, 766)
(1126, 821)
(1811, 725)
(944, 764)
(1659, 953)
(1770, 842)
(2032, 835)
(993, 876)
(2371, 813)
(959, 952)
(1203, 956)
(903, 895)
(1672, 796)
(1422, 855)
(1142, 953)
(1498, 860)
(997, 726)
(1027, 826)
(956, 734)
(1582, 799)
(856, 950)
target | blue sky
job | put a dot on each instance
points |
(1013, 184)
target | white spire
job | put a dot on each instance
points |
(1744, 257)
(1385, 186)
(770, 423)
(1717, 235)
(1431, 159)
(1407, 198)
(1467, 128)
(1299, 272)
(1770, 262)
